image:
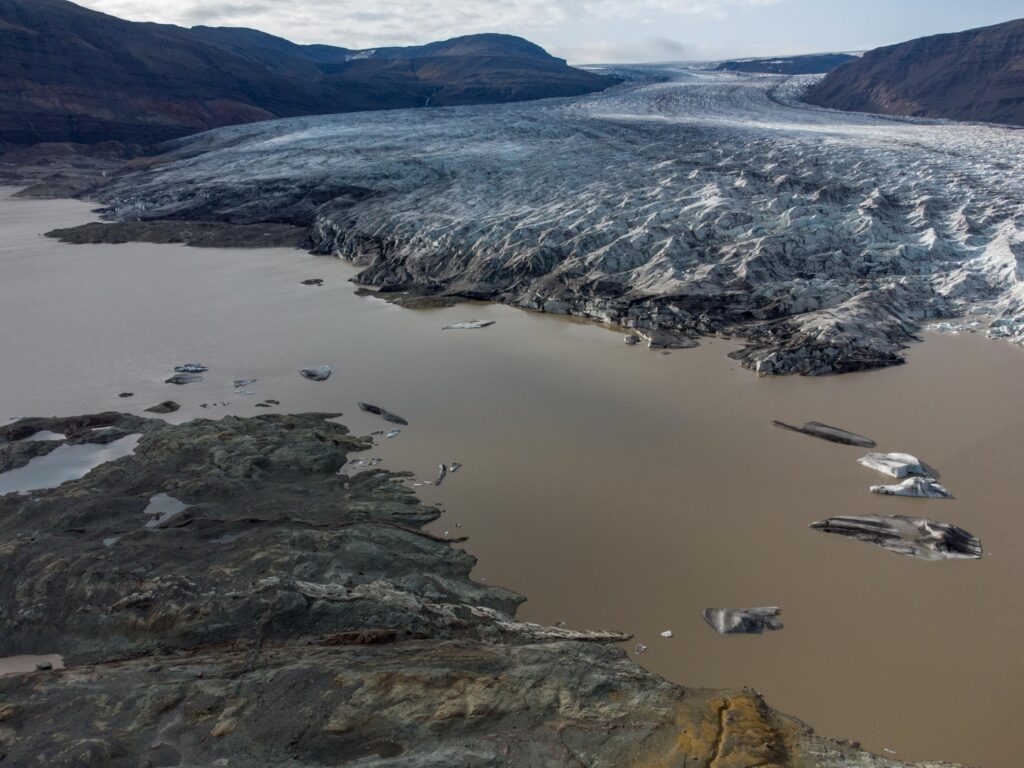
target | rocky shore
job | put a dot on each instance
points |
(294, 613)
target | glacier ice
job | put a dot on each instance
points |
(707, 202)
(910, 536)
(915, 487)
(893, 464)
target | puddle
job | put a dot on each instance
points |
(19, 665)
(161, 509)
(66, 462)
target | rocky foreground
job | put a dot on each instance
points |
(295, 614)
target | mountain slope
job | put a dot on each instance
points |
(71, 74)
(972, 75)
(808, 64)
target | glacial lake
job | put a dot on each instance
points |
(614, 486)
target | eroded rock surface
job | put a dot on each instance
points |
(296, 616)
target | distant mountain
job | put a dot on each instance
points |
(973, 75)
(71, 74)
(810, 64)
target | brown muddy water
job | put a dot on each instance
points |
(616, 487)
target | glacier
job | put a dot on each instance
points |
(684, 200)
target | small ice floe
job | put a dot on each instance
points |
(743, 621)
(639, 648)
(955, 328)
(893, 464)
(832, 434)
(467, 325)
(910, 536)
(384, 413)
(162, 509)
(366, 463)
(183, 378)
(667, 634)
(243, 383)
(244, 392)
(43, 436)
(915, 487)
(320, 373)
(442, 472)
(191, 368)
(64, 463)
(393, 433)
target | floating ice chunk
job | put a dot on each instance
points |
(393, 433)
(910, 536)
(191, 368)
(893, 464)
(320, 373)
(916, 487)
(384, 413)
(832, 434)
(183, 378)
(242, 383)
(244, 392)
(442, 472)
(667, 634)
(743, 621)
(454, 467)
(640, 648)
(468, 325)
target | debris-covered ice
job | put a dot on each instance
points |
(893, 464)
(832, 434)
(183, 378)
(384, 413)
(320, 373)
(915, 487)
(743, 621)
(468, 325)
(911, 536)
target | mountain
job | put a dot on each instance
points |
(68, 73)
(973, 75)
(810, 64)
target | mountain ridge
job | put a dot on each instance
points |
(68, 73)
(976, 75)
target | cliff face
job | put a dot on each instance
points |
(972, 75)
(71, 74)
(295, 616)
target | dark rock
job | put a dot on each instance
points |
(911, 536)
(832, 434)
(167, 406)
(198, 234)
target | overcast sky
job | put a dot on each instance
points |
(591, 31)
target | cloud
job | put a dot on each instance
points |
(371, 24)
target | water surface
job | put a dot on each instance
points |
(614, 486)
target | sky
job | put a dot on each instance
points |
(591, 31)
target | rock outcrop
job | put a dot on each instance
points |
(808, 64)
(288, 615)
(972, 75)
